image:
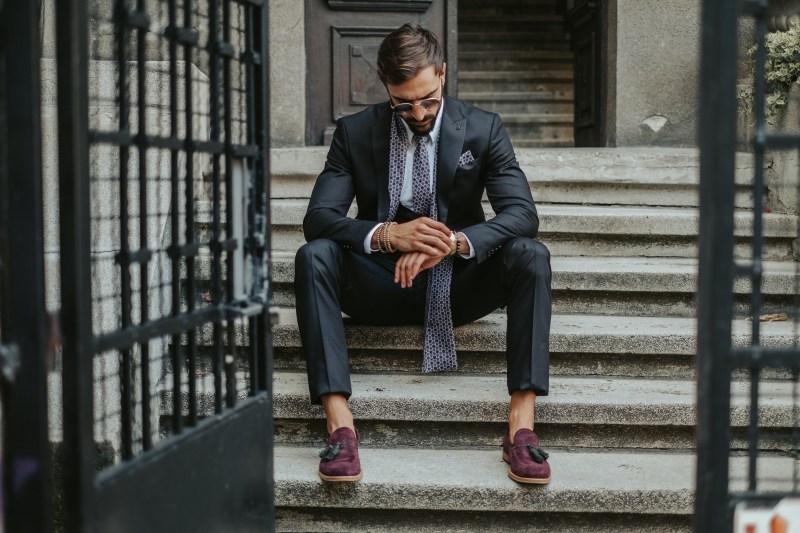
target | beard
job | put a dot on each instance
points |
(421, 127)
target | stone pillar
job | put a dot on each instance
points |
(656, 74)
(287, 55)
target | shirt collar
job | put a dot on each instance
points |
(437, 125)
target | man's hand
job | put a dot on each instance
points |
(412, 263)
(422, 235)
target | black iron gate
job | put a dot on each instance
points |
(761, 373)
(162, 269)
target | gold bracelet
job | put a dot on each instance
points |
(378, 237)
(389, 237)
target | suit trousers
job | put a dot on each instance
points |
(330, 279)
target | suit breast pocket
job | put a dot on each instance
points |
(467, 184)
(468, 167)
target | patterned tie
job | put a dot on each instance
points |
(439, 351)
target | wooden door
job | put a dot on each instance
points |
(342, 39)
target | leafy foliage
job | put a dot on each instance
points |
(782, 70)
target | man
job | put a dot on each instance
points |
(420, 250)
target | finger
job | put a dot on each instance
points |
(406, 271)
(433, 226)
(436, 225)
(432, 251)
(417, 265)
(400, 271)
(442, 243)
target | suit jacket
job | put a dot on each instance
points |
(358, 166)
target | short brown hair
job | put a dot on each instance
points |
(406, 51)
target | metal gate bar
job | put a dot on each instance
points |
(99, 498)
(26, 449)
(717, 139)
(717, 359)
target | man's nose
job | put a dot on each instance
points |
(418, 113)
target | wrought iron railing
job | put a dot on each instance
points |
(748, 363)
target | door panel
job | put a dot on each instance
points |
(342, 39)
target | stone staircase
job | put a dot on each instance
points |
(515, 59)
(619, 422)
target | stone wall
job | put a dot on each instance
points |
(287, 73)
(656, 76)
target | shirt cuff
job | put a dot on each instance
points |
(471, 253)
(367, 248)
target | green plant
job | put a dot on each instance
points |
(782, 70)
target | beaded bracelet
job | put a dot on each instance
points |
(379, 238)
(389, 246)
(384, 237)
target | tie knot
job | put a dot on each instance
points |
(421, 139)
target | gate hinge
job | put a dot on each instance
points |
(9, 362)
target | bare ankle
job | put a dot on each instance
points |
(521, 412)
(337, 411)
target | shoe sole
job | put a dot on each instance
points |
(336, 479)
(526, 480)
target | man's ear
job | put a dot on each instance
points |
(444, 72)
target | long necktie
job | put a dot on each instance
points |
(439, 351)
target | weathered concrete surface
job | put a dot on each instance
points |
(477, 480)
(568, 334)
(287, 60)
(621, 274)
(657, 72)
(528, 520)
(595, 219)
(591, 230)
(458, 397)
(442, 479)
(610, 176)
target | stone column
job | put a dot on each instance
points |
(656, 75)
(287, 55)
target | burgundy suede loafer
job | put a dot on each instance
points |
(528, 461)
(339, 460)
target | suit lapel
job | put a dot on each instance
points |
(451, 141)
(380, 157)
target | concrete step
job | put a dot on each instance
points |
(521, 142)
(509, 75)
(510, 120)
(475, 481)
(514, 60)
(461, 409)
(531, 24)
(515, 81)
(541, 133)
(604, 176)
(546, 104)
(507, 7)
(511, 39)
(586, 230)
(572, 334)
(532, 16)
(469, 6)
(599, 345)
(625, 286)
(402, 521)
(498, 44)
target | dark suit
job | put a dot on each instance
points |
(333, 273)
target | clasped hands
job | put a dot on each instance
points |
(424, 243)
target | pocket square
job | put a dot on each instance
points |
(465, 159)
